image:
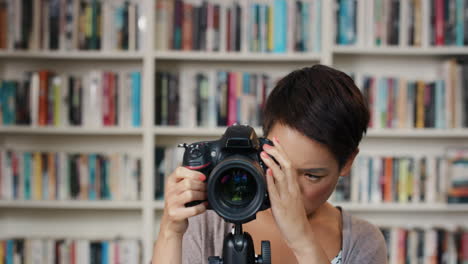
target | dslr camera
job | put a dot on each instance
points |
(236, 183)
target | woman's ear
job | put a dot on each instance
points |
(349, 163)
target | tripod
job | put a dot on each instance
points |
(238, 248)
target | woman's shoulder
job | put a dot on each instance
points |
(363, 242)
(360, 228)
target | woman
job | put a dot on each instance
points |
(316, 118)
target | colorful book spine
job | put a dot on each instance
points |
(239, 96)
(9, 107)
(52, 176)
(420, 104)
(28, 172)
(305, 25)
(43, 93)
(2, 252)
(383, 99)
(280, 25)
(222, 96)
(232, 98)
(317, 23)
(440, 104)
(92, 177)
(136, 98)
(45, 176)
(57, 100)
(439, 22)
(37, 179)
(106, 175)
(105, 252)
(460, 23)
(10, 252)
(388, 179)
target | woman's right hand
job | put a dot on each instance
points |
(182, 186)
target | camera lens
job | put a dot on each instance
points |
(236, 187)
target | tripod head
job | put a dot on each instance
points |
(238, 248)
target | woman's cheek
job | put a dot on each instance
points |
(315, 194)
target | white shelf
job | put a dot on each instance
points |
(70, 130)
(182, 131)
(396, 50)
(218, 131)
(72, 204)
(145, 215)
(372, 133)
(236, 56)
(84, 55)
(406, 208)
(418, 133)
(385, 207)
(158, 205)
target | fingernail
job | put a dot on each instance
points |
(264, 154)
(202, 177)
(266, 146)
(269, 172)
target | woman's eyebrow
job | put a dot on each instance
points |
(315, 170)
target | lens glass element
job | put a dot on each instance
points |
(236, 187)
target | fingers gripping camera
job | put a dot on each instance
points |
(236, 183)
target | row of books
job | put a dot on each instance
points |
(399, 103)
(417, 23)
(38, 175)
(211, 98)
(167, 99)
(379, 179)
(70, 25)
(67, 251)
(277, 26)
(426, 245)
(458, 172)
(402, 103)
(284, 26)
(375, 178)
(45, 98)
(218, 98)
(406, 179)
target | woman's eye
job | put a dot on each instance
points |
(313, 177)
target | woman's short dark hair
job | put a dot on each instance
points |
(323, 104)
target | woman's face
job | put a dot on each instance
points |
(316, 168)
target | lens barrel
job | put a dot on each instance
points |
(237, 189)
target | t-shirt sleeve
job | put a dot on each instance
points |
(203, 238)
(368, 244)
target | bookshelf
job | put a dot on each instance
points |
(235, 57)
(71, 131)
(140, 219)
(372, 133)
(73, 204)
(75, 55)
(400, 50)
(386, 208)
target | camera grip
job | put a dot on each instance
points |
(200, 168)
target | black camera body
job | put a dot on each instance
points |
(236, 183)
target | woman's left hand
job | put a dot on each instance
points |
(286, 203)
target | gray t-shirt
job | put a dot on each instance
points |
(362, 242)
